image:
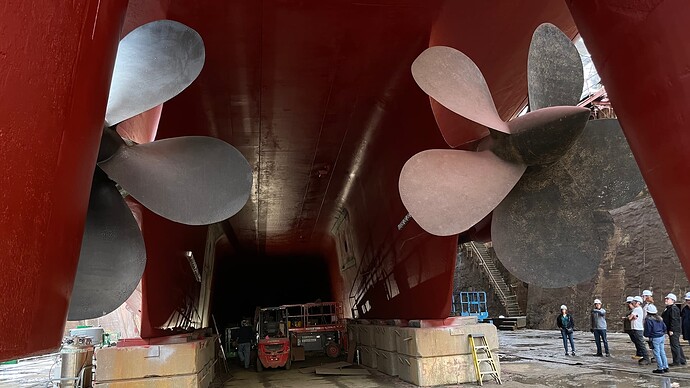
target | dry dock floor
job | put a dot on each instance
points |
(529, 358)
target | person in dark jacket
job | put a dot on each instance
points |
(685, 318)
(565, 322)
(655, 330)
(244, 343)
(671, 317)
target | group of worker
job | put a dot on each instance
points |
(643, 320)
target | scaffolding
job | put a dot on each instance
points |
(470, 303)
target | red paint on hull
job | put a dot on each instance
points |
(55, 67)
(170, 293)
(319, 98)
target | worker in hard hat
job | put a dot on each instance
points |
(685, 318)
(647, 300)
(655, 329)
(627, 325)
(567, 325)
(671, 317)
(244, 343)
(598, 316)
(637, 325)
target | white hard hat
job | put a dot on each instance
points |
(630, 299)
(597, 301)
(638, 299)
(687, 296)
(646, 293)
(651, 309)
(564, 307)
(672, 296)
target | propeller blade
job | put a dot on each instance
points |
(112, 257)
(451, 78)
(542, 136)
(449, 191)
(192, 180)
(547, 234)
(154, 63)
(455, 129)
(554, 69)
(603, 166)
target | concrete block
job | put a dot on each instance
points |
(136, 362)
(202, 379)
(367, 335)
(387, 362)
(353, 333)
(429, 371)
(443, 341)
(368, 356)
(384, 337)
(450, 321)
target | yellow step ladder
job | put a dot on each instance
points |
(484, 357)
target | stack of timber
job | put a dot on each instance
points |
(426, 355)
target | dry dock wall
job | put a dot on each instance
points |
(640, 256)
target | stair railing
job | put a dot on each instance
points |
(494, 282)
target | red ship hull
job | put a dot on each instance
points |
(320, 100)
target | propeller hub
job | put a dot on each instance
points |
(111, 142)
(540, 137)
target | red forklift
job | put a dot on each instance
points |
(286, 332)
(273, 345)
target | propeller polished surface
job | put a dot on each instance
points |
(451, 78)
(192, 180)
(154, 63)
(554, 69)
(112, 257)
(449, 191)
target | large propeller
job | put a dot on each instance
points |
(192, 180)
(549, 225)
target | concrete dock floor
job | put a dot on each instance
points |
(535, 358)
(529, 358)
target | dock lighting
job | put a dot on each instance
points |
(192, 263)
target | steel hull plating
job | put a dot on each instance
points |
(319, 97)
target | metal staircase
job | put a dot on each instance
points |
(504, 292)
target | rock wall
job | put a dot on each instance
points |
(470, 277)
(640, 256)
